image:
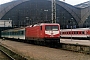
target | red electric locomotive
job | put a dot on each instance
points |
(48, 32)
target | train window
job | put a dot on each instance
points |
(69, 32)
(80, 32)
(12, 33)
(54, 28)
(62, 32)
(40, 27)
(47, 28)
(9, 33)
(65, 32)
(2, 33)
(18, 32)
(83, 32)
(72, 32)
(21, 32)
(76, 32)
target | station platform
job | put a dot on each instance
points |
(75, 41)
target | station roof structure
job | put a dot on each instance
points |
(79, 13)
(83, 5)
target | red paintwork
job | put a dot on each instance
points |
(88, 32)
(54, 36)
(36, 33)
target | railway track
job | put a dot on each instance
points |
(8, 57)
(65, 46)
(3, 56)
(10, 54)
(41, 52)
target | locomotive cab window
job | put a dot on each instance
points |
(47, 28)
(54, 28)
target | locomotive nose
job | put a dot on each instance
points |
(51, 33)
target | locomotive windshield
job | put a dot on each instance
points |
(54, 28)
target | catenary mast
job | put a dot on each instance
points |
(53, 11)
